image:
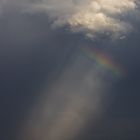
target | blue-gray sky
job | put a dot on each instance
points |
(42, 71)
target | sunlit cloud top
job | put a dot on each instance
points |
(89, 16)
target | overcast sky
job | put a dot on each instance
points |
(50, 89)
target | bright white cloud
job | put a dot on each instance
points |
(89, 16)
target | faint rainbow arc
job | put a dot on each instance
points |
(104, 60)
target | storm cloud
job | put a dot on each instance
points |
(50, 90)
(90, 17)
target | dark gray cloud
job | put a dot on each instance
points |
(30, 51)
(39, 62)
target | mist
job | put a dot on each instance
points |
(50, 90)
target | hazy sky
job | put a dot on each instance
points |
(50, 89)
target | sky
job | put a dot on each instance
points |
(69, 69)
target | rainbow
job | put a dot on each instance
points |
(104, 60)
